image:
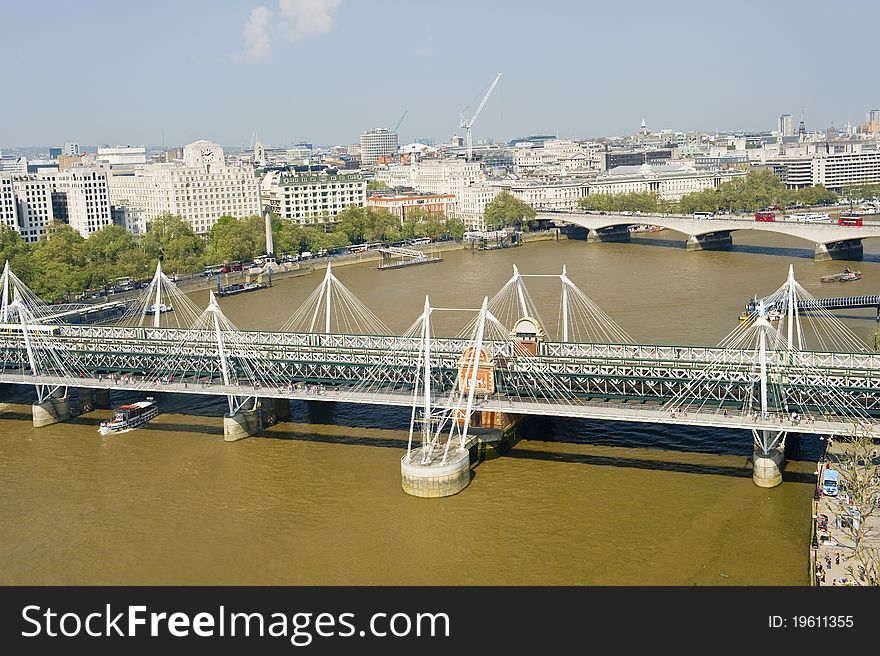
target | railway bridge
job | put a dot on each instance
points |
(464, 390)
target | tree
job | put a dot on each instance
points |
(376, 185)
(15, 250)
(60, 263)
(171, 239)
(234, 239)
(354, 222)
(640, 201)
(506, 210)
(859, 466)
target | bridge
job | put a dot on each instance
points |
(464, 391)
(860, 302)
(830, 241)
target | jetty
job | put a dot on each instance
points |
(394, 257)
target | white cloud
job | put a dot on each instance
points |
(302, 19)
(256, 36)
(298, 20)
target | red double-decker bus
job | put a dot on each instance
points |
(764, 216)
(850, 221)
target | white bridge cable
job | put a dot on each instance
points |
(164, 300)
(11, 286)
(28, 337)
(332, 308)
(816, 328)
(587, 322)
(792, 384)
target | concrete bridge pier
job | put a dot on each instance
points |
(712, 241)
(767, 467)
(102, 398)
(242, 424)
(275, 411)
(90, 399)
(768, 458)
(851, 249)
(435, 478)
(53, 410)
(617, 233)
(86, 399)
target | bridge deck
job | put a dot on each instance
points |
(600, 410)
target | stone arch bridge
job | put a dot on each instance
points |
(830, 241)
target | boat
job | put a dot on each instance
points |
(151, 308)
(239, 288)
(772, 314)
(129, 416)
(645, 228)
(845, 276)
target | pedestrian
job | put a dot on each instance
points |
(837, 558)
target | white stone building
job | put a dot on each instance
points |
(8, 204)
(80, 197)
(376, 143)
(464, 180)
(116, 157)
(33, 197)
(201, 189)
(835, 170)
(14, 165)
(668, 181)
(312, 197)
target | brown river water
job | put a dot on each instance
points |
(318, 500)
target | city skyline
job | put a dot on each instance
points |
(326, 70)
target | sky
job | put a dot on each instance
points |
(174, 71)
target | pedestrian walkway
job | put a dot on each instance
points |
(833, 551)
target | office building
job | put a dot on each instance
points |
(443, 205)
(117, 157)
(786, 126)
(309, 196)
(80, 197)
(33, 196)
(8, 205)
(377, 143)
(201, 189)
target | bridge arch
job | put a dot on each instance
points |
(828, 241)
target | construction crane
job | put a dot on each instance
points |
(467, 124)
(397, 125)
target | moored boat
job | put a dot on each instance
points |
(162, 308)
(129, 416)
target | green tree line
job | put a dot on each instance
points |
(63, 263)
(755, 191)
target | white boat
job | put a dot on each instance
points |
(162, 308)
(129, 416)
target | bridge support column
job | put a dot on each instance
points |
(851, 249)
(610, 234)
(242, 424)
(713, 241)
(86, 399)
(53, 410)
(275, 411)
(767, 467)
(90, 399)
(433, 479)
(102, 398)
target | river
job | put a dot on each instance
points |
(317, 500)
